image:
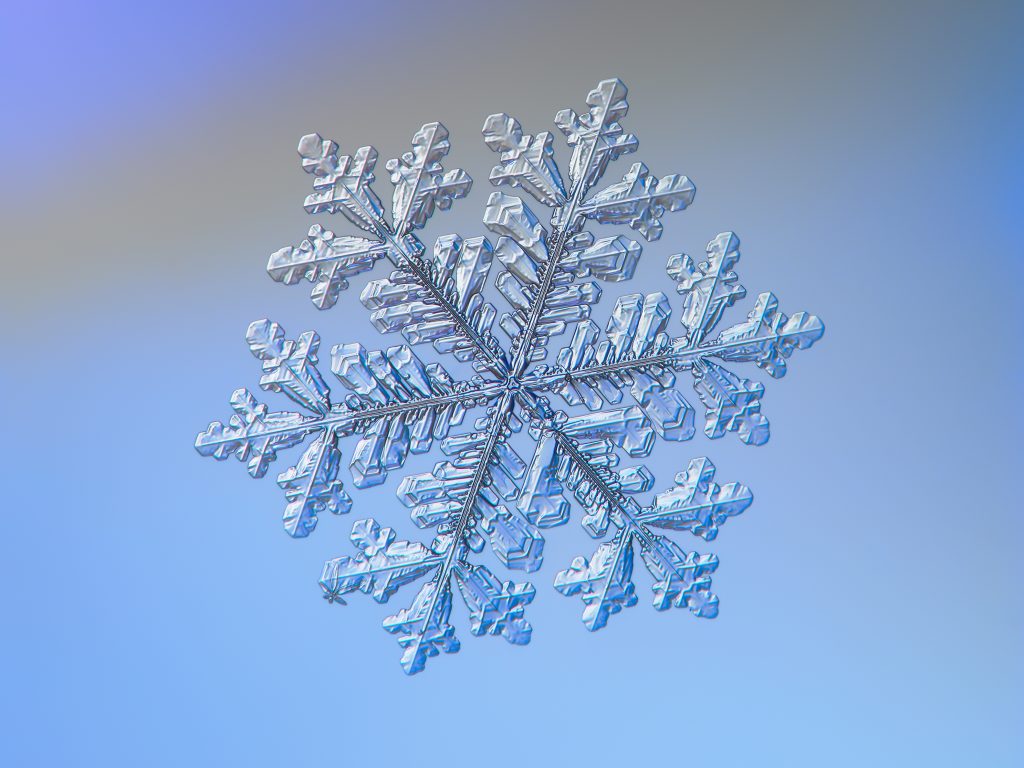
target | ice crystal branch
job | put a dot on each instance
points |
(620, 385)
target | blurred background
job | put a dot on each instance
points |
(868, 154)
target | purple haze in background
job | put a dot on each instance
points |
(868, 156)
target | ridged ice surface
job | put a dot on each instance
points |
(590, 398)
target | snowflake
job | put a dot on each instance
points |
(396, 404)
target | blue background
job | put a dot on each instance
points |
(867, 154)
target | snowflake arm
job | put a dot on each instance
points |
(545, 299)
(343, 184)
(604, 581)
(458, 498)
(636, 352)
(398, 405)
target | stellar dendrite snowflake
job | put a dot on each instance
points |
(398, 405)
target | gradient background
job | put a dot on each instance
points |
(868, 154)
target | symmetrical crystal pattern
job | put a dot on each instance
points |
(586, 397)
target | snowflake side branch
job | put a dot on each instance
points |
(420, 183)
